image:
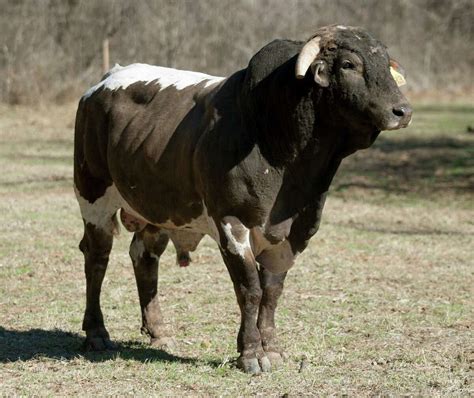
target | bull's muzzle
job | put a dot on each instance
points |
(400, 118)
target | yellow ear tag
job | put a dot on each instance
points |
(398, 77)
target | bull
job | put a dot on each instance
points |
(247, 160)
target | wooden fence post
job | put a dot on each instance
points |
(105, 56)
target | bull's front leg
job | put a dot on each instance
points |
(239, 259)
(272, 287)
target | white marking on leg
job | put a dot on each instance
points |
(123, 76)
(238, 246)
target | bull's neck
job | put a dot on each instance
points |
(283, 114)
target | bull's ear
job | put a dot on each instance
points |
(398, 73)
(321, 72)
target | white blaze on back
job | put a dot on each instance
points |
(120, 77)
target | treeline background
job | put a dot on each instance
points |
(51, 50)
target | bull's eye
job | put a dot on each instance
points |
(348, 65)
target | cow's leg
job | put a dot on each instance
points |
(96, 246)
(272, 287)
(239, 259)
(145, 250)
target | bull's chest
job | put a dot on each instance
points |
(268, 244)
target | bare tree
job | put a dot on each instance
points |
(51, 49)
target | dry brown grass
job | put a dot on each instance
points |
(379, 304)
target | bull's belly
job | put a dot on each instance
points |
(277, 257)
(133, 221)
(100, 212)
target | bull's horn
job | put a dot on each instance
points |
(307, 55)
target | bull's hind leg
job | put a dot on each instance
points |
(145, 250)
(98, 204)
(96, 246)
(100, 224)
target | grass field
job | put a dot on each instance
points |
(381, 303)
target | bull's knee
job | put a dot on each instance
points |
(253, 295)
(272, 293)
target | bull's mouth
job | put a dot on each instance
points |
(394, 122)
(397, 125)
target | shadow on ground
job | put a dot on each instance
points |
(395, 230)
(435, 165)
(57, 344)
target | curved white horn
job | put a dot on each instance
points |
(307, 55)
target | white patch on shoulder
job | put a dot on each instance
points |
(124, 76)
(342, 27)
(239, 247)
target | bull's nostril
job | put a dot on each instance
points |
(399, 111)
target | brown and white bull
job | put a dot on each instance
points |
(247, 160)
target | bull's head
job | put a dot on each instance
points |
(359, 76)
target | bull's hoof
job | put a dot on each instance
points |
(164, 342)
(276, 358)
(265, 364)
(254, 366)
(98, 339)
(98, 343)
